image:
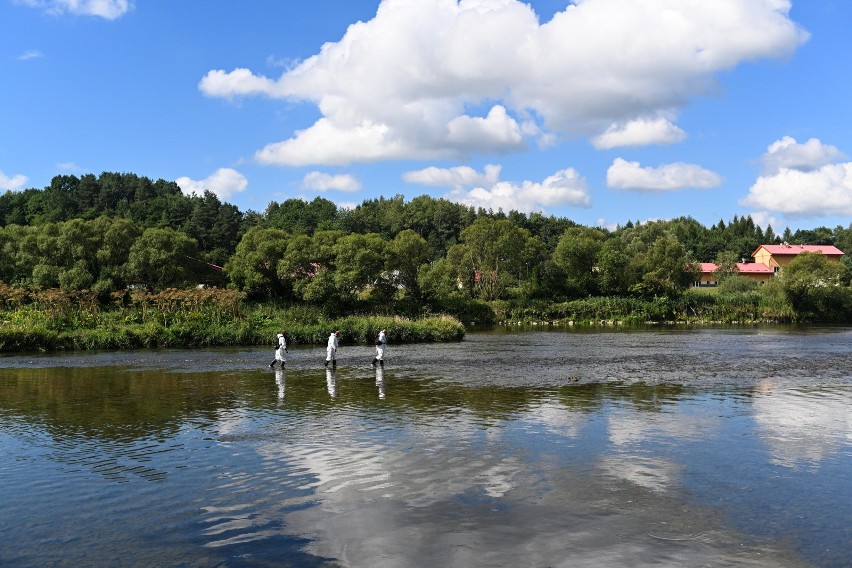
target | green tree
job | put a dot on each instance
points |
(577, 255)
(297, 267)
(666, 270)
(117, 236)
(615, 274)
(407, 253)
(158, 260)
(299, 217)
(254, 267)
(321, 288)
(438, 282)
(359, 262)
(726, 265)
(491, 256)
(818, 288)
(77, 277)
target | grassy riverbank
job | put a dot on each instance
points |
(695, 306)
(52, 320)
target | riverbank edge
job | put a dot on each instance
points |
(17, 338)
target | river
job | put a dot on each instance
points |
(618, 448)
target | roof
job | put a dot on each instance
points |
(754, 268)
(743, 267)
(787, 249)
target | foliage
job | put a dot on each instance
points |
(577, 254)
(51, 320)
(254, 267)
(103, 234)
(158, 259)
(818, 288)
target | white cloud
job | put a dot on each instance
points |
(13, 183)
(565, 187)
(460, 176)
(224, 183)
(320, 181)
(31, 54)
(764, 219)
(797, 194)
(496, 132)
(327, 144)
(802, 180)
(404, 84)
(238, 82)
(639, 132)
(669, 177)
(787, 153)
(107, 9)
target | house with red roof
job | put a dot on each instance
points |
(768, 259)
(778, 256)
(751, 270)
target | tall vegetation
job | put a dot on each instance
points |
(115, 232)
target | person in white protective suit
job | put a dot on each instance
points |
(331, 349)
(381, 341)
(280, 349)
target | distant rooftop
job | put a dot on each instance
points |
(783, 249)
(743, 267)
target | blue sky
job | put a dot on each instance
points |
(601, 111)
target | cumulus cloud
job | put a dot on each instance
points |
(236, 83)
(802, 180)
(639, 132)
(13, 183)
(669, 177)
(786, 153)
(453, 177)
(224, 183)
(107, 9)
(496, 132)
(320, 181)
(443, 79)
(764, 219)
(799, 194)
(565, 187)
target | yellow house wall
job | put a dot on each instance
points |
(759, 278)
(764, 257)
(782, 260)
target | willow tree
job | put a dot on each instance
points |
(491, 256)
(253, 268)
(160, 259)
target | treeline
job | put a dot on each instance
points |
(118, 231)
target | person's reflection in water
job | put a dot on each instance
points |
(331, 382)
(380, 381)
(280, 381)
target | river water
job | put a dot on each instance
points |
(660, 447)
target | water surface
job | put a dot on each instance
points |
(705, 447)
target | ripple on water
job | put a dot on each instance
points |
(669, 449)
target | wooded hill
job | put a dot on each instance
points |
(115, 230)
